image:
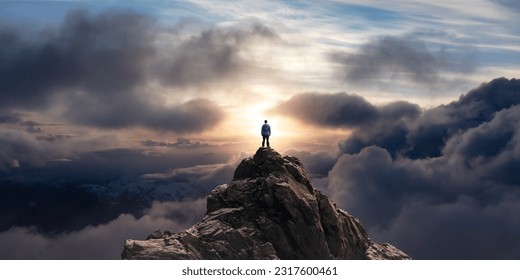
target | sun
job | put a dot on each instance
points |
(245, 122)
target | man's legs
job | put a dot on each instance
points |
(263, 141)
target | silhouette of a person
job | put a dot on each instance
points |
(266, 132)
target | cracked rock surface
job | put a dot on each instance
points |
(270, 210)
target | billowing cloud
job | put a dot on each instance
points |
(343, 110)
(400, 58)
(427, 179)
(338, 109)
(101, 56)
(401, 127)
(111, 70)
(426, 207)
(443, 185)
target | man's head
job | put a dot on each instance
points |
(265, 121)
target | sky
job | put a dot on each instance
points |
(118, 117)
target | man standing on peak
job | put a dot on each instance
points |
(266, 132)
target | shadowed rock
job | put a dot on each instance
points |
(270, 210)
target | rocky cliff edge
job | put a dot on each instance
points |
(270, 210)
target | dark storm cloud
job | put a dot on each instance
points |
(102, 55)
(338, 109)
(448, 186)
(98, 70)
(342, 110)
(385, 125)
(405, 57)
(425, 135)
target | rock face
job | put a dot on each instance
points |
(270, 210)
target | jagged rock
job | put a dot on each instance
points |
(270, 210)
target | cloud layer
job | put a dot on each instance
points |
(99, 242)
(85, 207)
(441, 183)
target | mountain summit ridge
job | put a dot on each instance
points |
(270, 210)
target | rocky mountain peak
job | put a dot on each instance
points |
(270, 210)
